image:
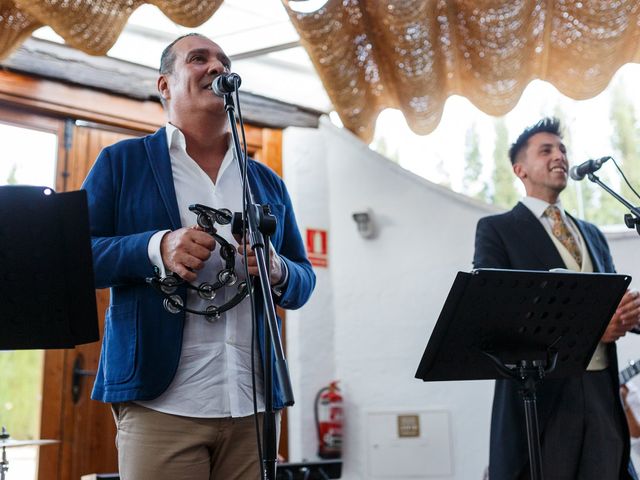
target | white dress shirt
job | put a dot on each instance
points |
(213, 378)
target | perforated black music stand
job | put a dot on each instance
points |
(47, 296)
(523, 325)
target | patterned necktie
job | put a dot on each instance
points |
(561, 232)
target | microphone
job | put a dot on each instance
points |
(578, 172)
(225, 84)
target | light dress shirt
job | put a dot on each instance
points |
(599, 360)
(213, 378)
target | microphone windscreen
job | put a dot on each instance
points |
(573, 173)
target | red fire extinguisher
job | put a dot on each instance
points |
(328, 415)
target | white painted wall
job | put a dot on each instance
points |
(625, 249)
(388, 294)
(310, 331)
(376, 305)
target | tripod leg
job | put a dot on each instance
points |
(4, 464)
(533, 436)
(269, 445)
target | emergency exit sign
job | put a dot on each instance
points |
(317, 247)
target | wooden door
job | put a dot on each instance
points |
(31, 152)
(85, 427)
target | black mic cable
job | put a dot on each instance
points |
(624, 177)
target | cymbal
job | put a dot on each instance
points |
(9, 442)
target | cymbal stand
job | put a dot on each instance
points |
(4, 463)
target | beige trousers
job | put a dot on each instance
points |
(159, 446)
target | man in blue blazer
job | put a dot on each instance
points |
(583, 429)
(181, 385)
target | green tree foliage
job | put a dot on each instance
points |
(11, 179)
(572, 195)
(600, 207)
(505, 193)
(21, 392)
(584, 198)
(471, 181)
(625, 141)
(444, 173)
(381, 146)
(578, 198)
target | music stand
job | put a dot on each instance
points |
(47, 295)
(524, 325)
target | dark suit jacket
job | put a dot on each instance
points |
(517, 240)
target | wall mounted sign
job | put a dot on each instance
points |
(317, 247)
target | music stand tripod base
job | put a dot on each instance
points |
(524, 325)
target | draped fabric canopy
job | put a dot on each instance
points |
(405, 54)
(412, 54)
(92, 26)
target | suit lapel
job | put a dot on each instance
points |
(533, 234)
(160, 162)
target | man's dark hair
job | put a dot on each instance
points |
(546, 125)
(168, 57)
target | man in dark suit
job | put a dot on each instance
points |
(583, 429)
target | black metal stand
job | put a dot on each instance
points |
(47, 295)
(257, 221)
(318, 470)
(521, 325)
(533, 433)
(4, 463)
(529, 374)
(631, 220)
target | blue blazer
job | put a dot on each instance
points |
(517, 240)
(131, 196)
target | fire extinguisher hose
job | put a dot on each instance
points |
(315, 410)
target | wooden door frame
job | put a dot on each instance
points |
(18, 116)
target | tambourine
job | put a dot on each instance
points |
(167, 286)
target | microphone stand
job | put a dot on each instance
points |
(261, 224)
(631, 220)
